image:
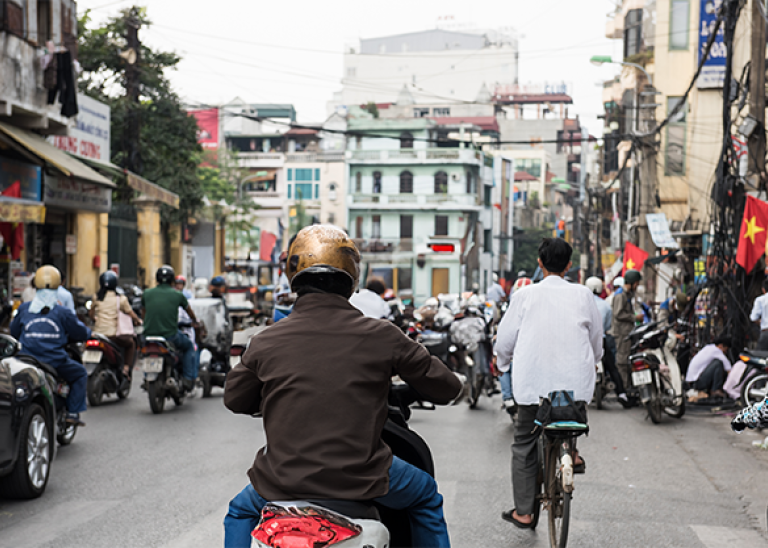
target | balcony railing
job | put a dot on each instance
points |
(435, 155)
(460, 200)
(377, 245)
(260, 155)
(314, 157)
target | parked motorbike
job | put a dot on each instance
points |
(162, 368)
(103, 360)
(756, 375)
(358, 524)
(655, 375)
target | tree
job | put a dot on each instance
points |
(168, 136)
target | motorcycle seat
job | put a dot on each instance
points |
(34, 361)
(350, 508)
(757, 353)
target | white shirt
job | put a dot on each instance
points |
(701, 360)
(495, 293)
(370, 304)
(554, 333)
(760, 311)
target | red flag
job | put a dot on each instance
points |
(266, 245)
(753, 233)
(13, 233)
(634, 258)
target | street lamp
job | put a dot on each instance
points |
(599, 60)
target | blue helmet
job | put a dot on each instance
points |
(218, 281)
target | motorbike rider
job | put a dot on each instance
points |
(496, 293)
(624, 319)
(553, 306)
(595, 285)
(370, 302)
(44, 327)
(160, 309)
(218, 287)
(104, 312)
(185, 322)
(321, 378)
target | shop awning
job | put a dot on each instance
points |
(104, 167)
(136, 182)
(59, 159)
(13, 210)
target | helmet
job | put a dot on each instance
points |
(47, 277)
(522, 274)
(617, 282)
(218, 281)
(595, 285)
(521, 283)
(682, 300)
(632, 276)
(432, 302)
(108, 280)
(181, 280)
(165, 274)
(495, 278)
(323, 256)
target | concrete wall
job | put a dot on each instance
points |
(150, 242)
(90, 230)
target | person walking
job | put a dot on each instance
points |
(624, 321)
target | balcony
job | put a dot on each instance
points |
(462, 202)
(314, 157)
(261, 159)
(377, 245)
(419, 156)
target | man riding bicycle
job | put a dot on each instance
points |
(551, 308)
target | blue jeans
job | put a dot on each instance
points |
(77, 377)
(506, 384)
(188, 359)
(410, 489)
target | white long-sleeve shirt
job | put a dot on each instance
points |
(760, 311)
(554, 334)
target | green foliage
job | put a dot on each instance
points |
(168, 138)
(372, 109)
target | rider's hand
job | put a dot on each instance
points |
(639, 317)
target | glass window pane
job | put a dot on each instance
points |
(678, 25)
(675, 150)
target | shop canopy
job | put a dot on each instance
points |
(59, 159)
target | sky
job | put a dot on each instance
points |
(291, 51)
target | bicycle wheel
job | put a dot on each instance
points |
(559, 513)
(539, 489)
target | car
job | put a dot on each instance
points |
(27, 424)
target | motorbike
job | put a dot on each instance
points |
(756, 376)
(103, 360)
(358, 524)
(162, 368)
(655, 375)
(214, 341)
(603, 385)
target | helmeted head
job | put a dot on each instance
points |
(522, 274)
(165, 275)
(323, 259)
(47, 277)
(595, 285)
(617, 282)
(180, 280)
(632, 278)
(108, 281)
(218, 286)
(520, 283)
(681, 299)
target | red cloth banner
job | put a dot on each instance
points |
(753, 233)
(634, 258)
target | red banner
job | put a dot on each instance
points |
(266, 245)
(208, 127)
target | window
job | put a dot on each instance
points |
(317, 174)
(444, 111)
(406, 226)
(441, 225)
(406, 140)
(404, 278)
(529, 165)
(377, 182)
(471, 189)
(290, 187)
(674, 151)
(488, 196)
(304, 174)
(358, 182)
(678, 24)
(331, 218)
(332, 192)
(487, 241)
(290, 174)
(358, 142)
(359, 228)
(406, 182)
(303, 191)
(351, 72)
(420, 112)
(633, 32)
(317, 192)
(441, 182)
(376, 227)
(43, 21)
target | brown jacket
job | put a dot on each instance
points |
(321, 379)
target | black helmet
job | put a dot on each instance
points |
(165, 275)
(632, 276)
(108, 280)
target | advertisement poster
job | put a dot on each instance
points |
(90, 136)
(713, 72)
(28, 175)
(208, 127)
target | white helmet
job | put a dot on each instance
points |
(432, 302)
(595, 285)
(617, 282)
(495, 277)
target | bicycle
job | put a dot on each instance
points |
(554, 486)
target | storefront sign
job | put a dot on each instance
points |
(28, 175)
(70, 244)
(75, 195)
(90, 137)
(659, 229)
(12, 211)
(713, 72)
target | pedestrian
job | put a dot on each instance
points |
(759, 315)
(624, 320)
(496, 293)
(707, 371)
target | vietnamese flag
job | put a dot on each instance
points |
(753, 233)
(634, 258)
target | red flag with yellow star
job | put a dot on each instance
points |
(634, 257)
(753, 233)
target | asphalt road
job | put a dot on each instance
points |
(133, 479)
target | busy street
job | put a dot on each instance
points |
(133, 479)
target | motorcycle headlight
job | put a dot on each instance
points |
(452, 348)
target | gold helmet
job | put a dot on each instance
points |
(47, 277)
(328, 254)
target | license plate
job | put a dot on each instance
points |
(92, 356)
(152, 365)
(641, 377)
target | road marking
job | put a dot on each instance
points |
(727, 537)
(54, 522)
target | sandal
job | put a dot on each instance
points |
(580, 468)
(509, 516)
(127, 372)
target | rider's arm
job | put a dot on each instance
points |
(423, 372)
(242, 392)
(595, 329)
(76, 330)
(188, 310)
(16, 326)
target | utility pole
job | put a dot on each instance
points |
(757, 92)
(648, 171)
(583, 222)
(132, 57)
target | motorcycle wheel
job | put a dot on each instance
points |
(65, 432)
(654, 407)
(156, 396)
(205, 379)
(754, 390)
(674, 411)
(95, 388)
(599, 393)
(474, 379)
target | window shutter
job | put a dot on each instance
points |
(290, 176)
(289, 187)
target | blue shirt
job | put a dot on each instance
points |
(44, 336)
(605, 313)
(65, 298)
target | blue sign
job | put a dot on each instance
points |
(713, 72)
(28, 175)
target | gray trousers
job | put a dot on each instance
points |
(762, 342)
(525, 460)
